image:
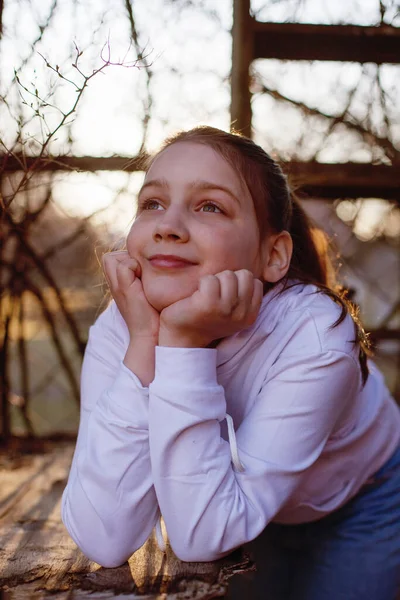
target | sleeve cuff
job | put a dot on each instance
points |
(192, 367)
(186, 381)
(134, 378)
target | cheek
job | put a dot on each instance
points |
(235, 253)
(130, 238)
(134, 240)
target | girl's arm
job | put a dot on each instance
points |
(109, 506)
(209, 508)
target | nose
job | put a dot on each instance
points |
(171, 227)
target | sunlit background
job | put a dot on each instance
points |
(171, 70)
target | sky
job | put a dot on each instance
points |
(188, 45)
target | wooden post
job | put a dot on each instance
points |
(242, 56)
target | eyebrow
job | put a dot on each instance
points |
(197, 185)
(163, 183)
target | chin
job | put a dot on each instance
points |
(162, 295)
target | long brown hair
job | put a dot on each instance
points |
(277, 209)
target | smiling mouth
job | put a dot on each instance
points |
(166, 261)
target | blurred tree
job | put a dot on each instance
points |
(50, 221)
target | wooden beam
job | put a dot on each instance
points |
(298, 41)
(347, 180)
(242, 55)
(320, 180)
(378, 335)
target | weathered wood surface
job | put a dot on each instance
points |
(39, 560)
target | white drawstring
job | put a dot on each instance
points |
(233, 445)
(236, 463)
(159, 536)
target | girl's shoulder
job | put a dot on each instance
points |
(309, 317)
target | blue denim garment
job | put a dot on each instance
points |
(351, 554)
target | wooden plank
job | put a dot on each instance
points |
(298, 41)
(347, 180)
(321, 180)
(38, 558)
(383, 333)
(242, 55)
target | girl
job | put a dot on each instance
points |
(226, 388)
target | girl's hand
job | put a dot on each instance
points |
(123, 276)
(224, 304)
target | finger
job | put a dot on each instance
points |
(229, 291)
(245, 291)
(111, 259)
(257, 298)
(109, 270)
(112, 263)
(136, 266)
(117, 253)
(124, 257)
(125, 273)
(209, 292)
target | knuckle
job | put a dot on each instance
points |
(225, 310)
(207, 278)
(248, 274)
(228, 274)
(244, 276)
(239, 316)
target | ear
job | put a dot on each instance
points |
(277, 255)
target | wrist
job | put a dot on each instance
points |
(140, 339)
(176, 339)
(140, 358)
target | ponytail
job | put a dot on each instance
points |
(310, 259)
(311, 263)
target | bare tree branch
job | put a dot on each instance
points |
(344, 119)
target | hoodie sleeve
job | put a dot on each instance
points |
(109, 506)
(209, 508)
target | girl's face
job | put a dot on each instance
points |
(194, 218)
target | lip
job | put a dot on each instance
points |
(169, 261)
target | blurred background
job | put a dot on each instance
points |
(86, 87)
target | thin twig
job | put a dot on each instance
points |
(392, 152)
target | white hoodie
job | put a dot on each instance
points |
(308, 433)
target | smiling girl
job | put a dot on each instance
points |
(227, 388)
